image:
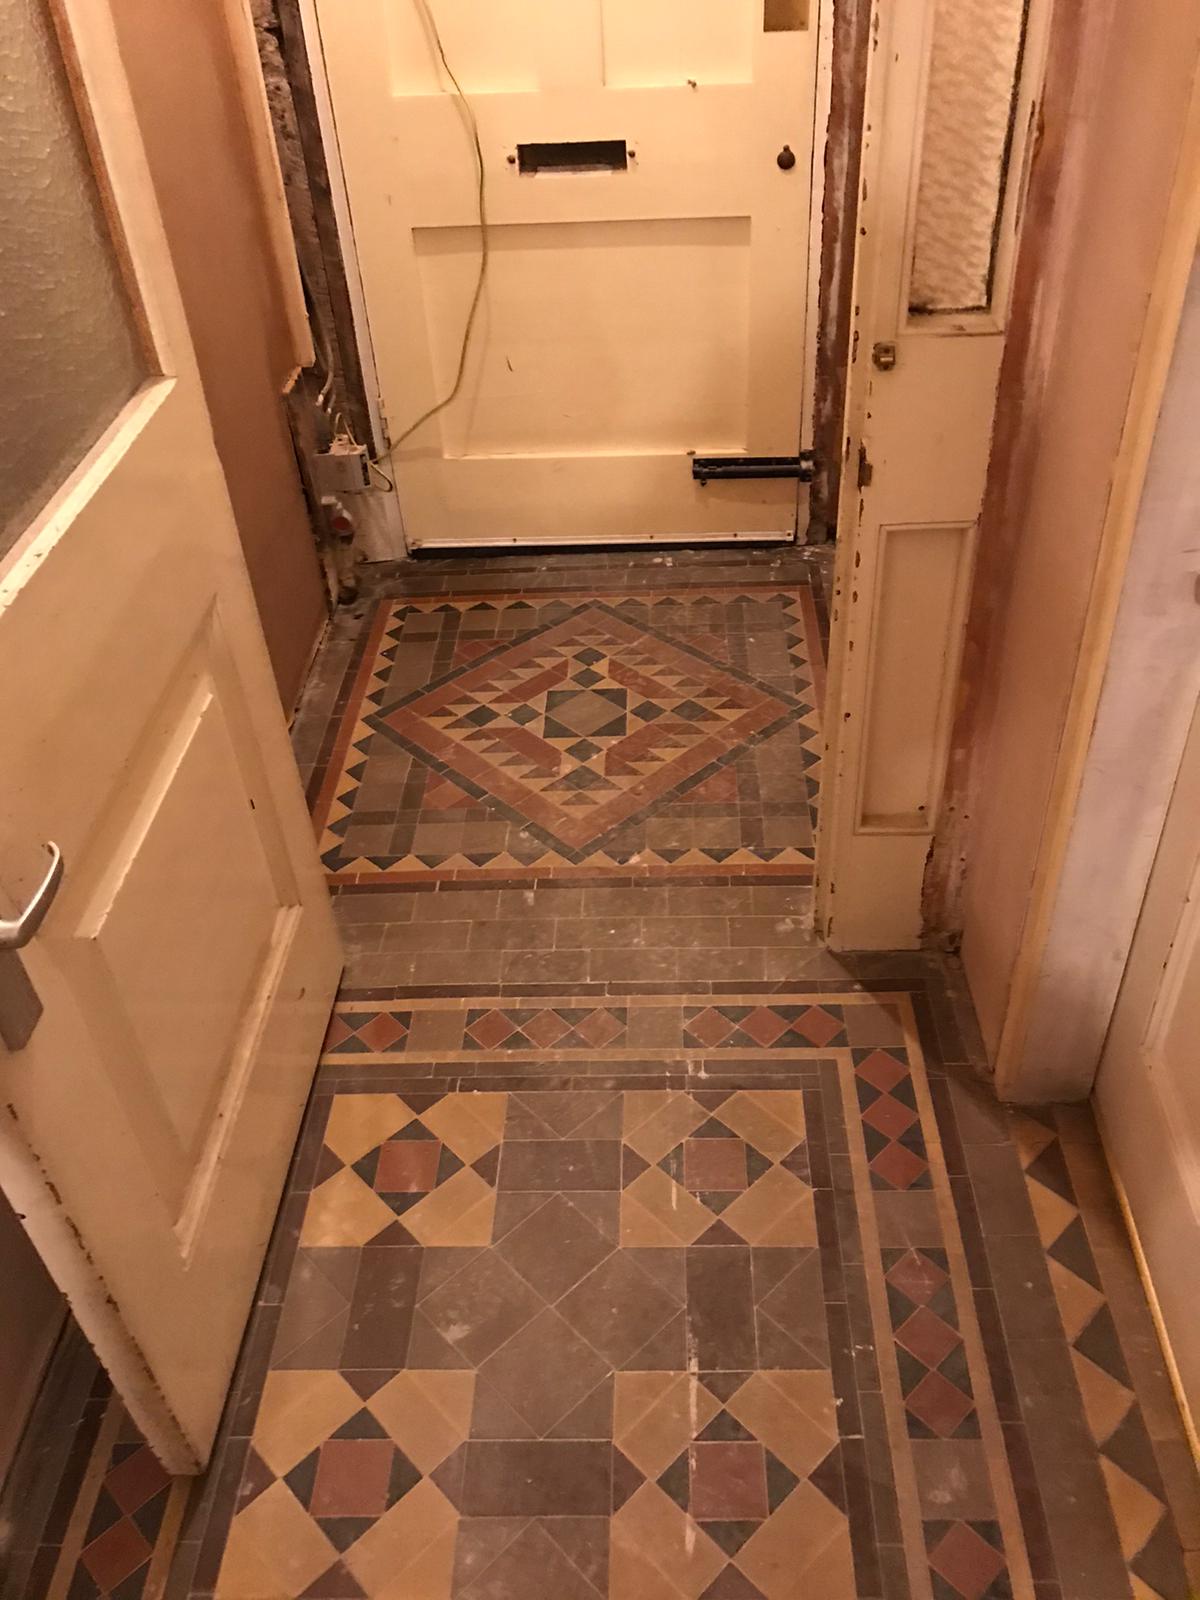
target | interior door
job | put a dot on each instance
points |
(643, 302)
(1148, 1088)
(186, 966)
(951, 101)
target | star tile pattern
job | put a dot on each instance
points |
(614, 1321)
(510, 737)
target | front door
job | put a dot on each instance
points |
(186, 965)
(646, 180)
(1148, 1088)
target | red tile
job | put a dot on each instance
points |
(939, 1404)
(889, 1116)
(817, 1025)
(336, 1034)
(728, 1481)
(928, 1337)
(600, 1029)
(899, 1165)
(882, 1070)
(966, 1561)
(382, 1032)
(118, 1551)
(407, 1166)
(491, 1029)
(709, 1027)
(716, 1165)
(917, 1276)
(546, 1029)
(352, 1478)
(764, 1025)
(133, 1481)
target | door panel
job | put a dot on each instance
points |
(941, 172)
(629, 317)
(188, 963)
(1148, 1087)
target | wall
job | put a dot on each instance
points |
(180, 62)
(1118, 91)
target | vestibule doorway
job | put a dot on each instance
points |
(591, 224)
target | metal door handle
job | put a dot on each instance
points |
(16, 932)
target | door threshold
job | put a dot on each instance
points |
(657, 541)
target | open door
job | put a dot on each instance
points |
(160, 1026)
(952, 96)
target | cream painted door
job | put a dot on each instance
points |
(631, 315)
(1148, 1088)
(938, 228)
(187, 965)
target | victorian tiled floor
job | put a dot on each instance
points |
(635, 1246)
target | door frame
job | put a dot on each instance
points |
(386, 540)
(877, 870)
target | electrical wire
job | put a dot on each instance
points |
(473, 127)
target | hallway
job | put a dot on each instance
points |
(635, 1246)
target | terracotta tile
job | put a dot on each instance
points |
(299, 1410)
(407, 1166)
(274, 1548)
(728, 1481)
(714, 1165)
(359, 1122)
(459, 1213)
(117, 1553)
(426, 1413)
(793, 1413)
(352, 1478)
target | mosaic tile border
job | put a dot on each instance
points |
(1018, 1354)
(340, 770)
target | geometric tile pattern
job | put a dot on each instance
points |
(644, 1321)
(779, 1027)
(542, 1028)
(891, 1124)
(511, 737)
(1145, 1527)
(363, 1030)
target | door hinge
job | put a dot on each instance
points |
(865, 470)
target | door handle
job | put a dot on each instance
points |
(16, 932)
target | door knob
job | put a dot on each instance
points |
(786, 159)
(16, 932)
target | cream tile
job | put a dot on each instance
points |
(386, 1554)
(471, 1124)
(652, 1526)
(274, 1550)
(359, 1122)
(773, 1134)
(1050, 1211)
(1077, 1300)
(460, 1212)
(777, 1210)
(299, 1410)
(656, 1211)
(655, 1120)
(426, 1413)
(344, 1211)
(1135, 1510)
(792, 1413)
(656, 1415)
(801, 1551)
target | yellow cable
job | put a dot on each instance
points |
(473, 126)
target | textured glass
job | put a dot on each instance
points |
(70, 353)
(972, 80)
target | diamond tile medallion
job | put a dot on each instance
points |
(509, 737)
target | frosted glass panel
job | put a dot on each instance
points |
(69, 349)
(972, 79)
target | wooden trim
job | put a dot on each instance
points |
(243, 43)
(1015, 1078)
